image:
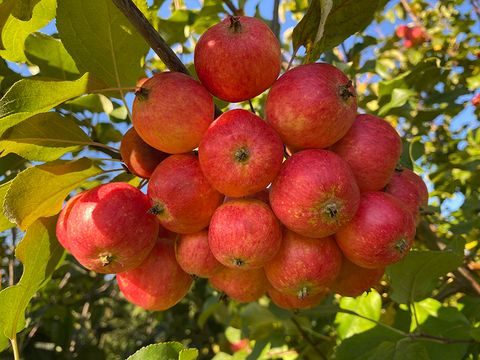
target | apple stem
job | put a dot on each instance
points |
(345, 92)
(235, 24)
(156, 209)
(399, 167)
(302, 293)
(106, 259)
(223, 298)
(142, 93)
(402, 245)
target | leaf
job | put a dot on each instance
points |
(3, 342)
(39, 191)
(24, 9)
(29, 97)
(15, 31)
(44, 137)
(164, 351)
(398, 99)
(50, 56)
(369, 305)
(328, 22)
(5, 224)
(40, 253)
(101, 40)
(414, 277)
(188, 354)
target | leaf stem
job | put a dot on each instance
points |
(16, 353)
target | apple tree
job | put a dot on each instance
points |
(68, 79)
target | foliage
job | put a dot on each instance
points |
(66, 90)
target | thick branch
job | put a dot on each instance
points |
(275, 21)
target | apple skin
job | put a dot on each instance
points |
(304, 266)
(262, 195)
(315, 193)
(171, 112)
(108, 229)
(194, 255)
(287, 301)
(240, 285)
(238, 58)
(159, 282)
(355, 280)
(139, 157)
(476, 99)
(61, 228)
(240, 154)
(182, 198)
(380, 234)
(244, 233)
(311, 106)
(402, 31)
(410, 189)
(372, 148)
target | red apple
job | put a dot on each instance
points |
(380, 234)
(311, 106)
(410, 189)
(244, 233)
(171, 112)
(238, 58)
(476, 100)
(315, 193)
(194, 255)
(139, 157)
(182, 198)
(240, 154)
(402, 31)
(262, 195)
(240, 285)
(108, 229)
(159, 282)
(417, 34)
(240, 345)
(287, 301)
(354, 280)
(62, 221)
(408, 43)
(372, 148)
(304, 266)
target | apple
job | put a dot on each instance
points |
(240, 285)
(410, 189)
(244, 234)
(62, 222)
(194, 255)
(182, 198)
(108, 229)
(372, 148)
(238, 58)
(402, 30)
(315, 193)
(417, 34)
(240, 345)
(140, 158)
(159, 282)
(303, 266)
(380, 234)
(171, 112)
(311, 106)
(476, 100)
(262, 195)
(287, 301)
(354, 280)
(240, 154)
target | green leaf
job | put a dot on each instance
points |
(368, 305)
(95, 103)
(50, 56)
(188, 354)
(29, 97)
(164, 351)
(328, 22)
(101, 40)
(15, 31)
(43, 137)
(398, 99)
(5, 224)
(40, 253)
(3, 342)
(24, 9)
(39, 191)
(414, 277)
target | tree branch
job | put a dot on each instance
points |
(275, 21)
(232, 7)
(153, 38)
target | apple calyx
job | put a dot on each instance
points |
(235, 25)
(238, 262)
(302, 293)
(401, 245)
(331, 210)
(344, 91)
(142, 93)
(106, 259)
(242, 155)
(156, 209)
(399, 167)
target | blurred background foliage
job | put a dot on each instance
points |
(427, 306)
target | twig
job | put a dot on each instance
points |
(275, 21)
(468, 276)
(414, 17)
(252, 109)
(232, 7)
(153, 38)
(307, 338)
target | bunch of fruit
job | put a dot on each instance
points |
(411, 35)
(307, 202)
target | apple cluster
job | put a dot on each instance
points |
(307, 201)
(411, 34)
